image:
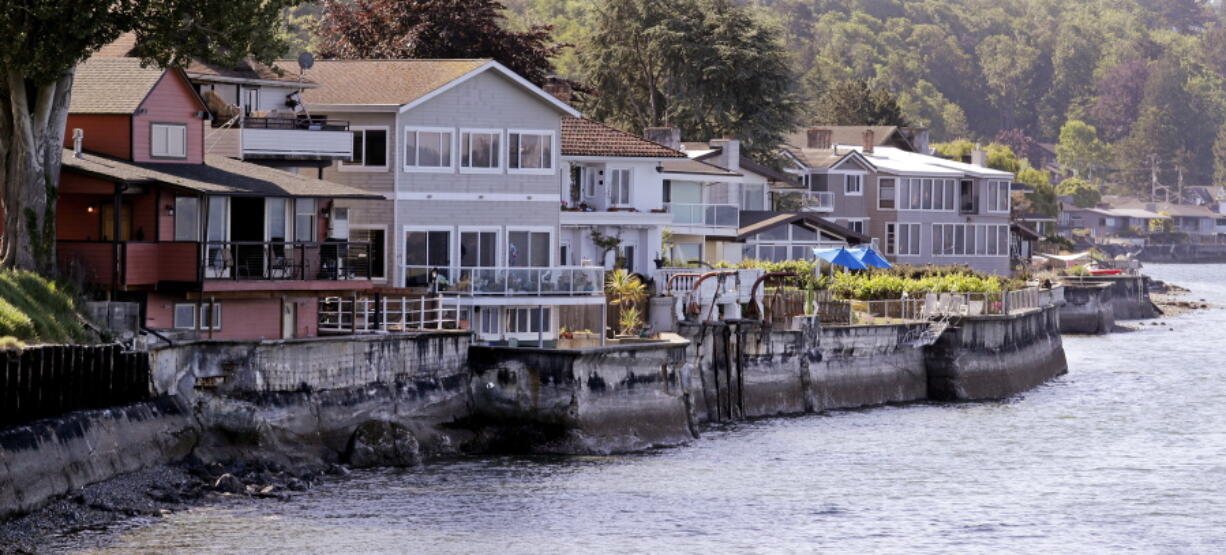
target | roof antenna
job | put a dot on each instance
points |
(305, 61)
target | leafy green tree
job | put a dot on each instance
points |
(1042, 200)
(1008, 67)
(1001, 157)
(955, 150)
(1085, 195)
(42, 42)
(708, 67)
(435, 29)
(1219, 156)
(1080, 149)
(855, 103)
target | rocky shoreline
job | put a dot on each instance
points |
(157, 492)
(1171, 299)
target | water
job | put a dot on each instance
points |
(1125, 453)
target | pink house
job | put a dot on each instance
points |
(212, 247)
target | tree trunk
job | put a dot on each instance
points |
(31, 141)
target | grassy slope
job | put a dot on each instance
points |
(35, 309)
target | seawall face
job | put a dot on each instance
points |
(994, 357)
(865, 366)
(54, 456)
(599, 400)
(1088, 309)
(1129, 295)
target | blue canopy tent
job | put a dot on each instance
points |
(840, 257)
(869, 257)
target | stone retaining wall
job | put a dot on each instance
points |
(1129, 295)
(994, 357)
(1088, 309)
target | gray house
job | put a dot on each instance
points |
(470, 151)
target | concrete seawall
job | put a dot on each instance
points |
(51, 457)
(598, 400)
(1088, 309)
(1129, 295)
(994, 357)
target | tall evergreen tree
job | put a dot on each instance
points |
(855, 103)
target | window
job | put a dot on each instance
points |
(251, 100)
(168, 140)
(216, 316)
(969, 200)
(619, 187)
(478, 249)
(489, 321)
(902, 239)
(424, 251)
(628, 253)
(278, 227)
(187, 219)
(564, 253)
(427, 149)
(479, 151)
(690, 252)
(528, 320)
(998, 196)
(753, 197)
(185, 317)
(304, 220)
(369, 149)
(886, 191)
(376, 239)
(856, 225)
(530, 151)
(589, 182)
(339, 228)
(920, 194)
(970, 239)
(853, 185)
(528, 249)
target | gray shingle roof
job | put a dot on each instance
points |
(219, 175)
(111, 86)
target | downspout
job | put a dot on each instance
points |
(116, 248)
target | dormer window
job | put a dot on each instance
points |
(168, 140)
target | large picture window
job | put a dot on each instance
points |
(479, 150)
(970, 239)
(903, 239)
(187, 219)
(530, 151)
(427, 149)
(369, 149)
(923, 194)
(998, 196)
(528, 249)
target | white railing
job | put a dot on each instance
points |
(706, 215)
(514, 281)
(386, 314)
(946, 305)
(819, 201)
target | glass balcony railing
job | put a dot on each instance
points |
(513, 281)
(706, 215)
(819, 201)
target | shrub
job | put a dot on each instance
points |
(36, 309)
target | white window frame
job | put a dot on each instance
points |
(499, 238)
(204, 313)
(610, 186)
(341, 165)
(893, 180)
(1000, 187)
(547, 318)
(504, 244)
(417, 131)
(897, 239)
(174, 316)
(972, 232)
(498, 150)
(179, 209)
(859, 177)
(167, 154)
(564, 245)
(386, 251)
(402, 258)
(862, 222)
(553, 152)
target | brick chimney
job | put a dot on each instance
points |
(667, 136)
(870, 141)
(819, 138)
(560, 89)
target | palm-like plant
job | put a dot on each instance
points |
(626, 291)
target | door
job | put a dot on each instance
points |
(247, 232)
(289, 319)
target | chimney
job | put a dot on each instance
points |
(667, 136)
(979, 157)
(820, 138)
(869, 141)
(559, 88)
(731, 152)
(78, 136)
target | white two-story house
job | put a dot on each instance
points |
(470, 152)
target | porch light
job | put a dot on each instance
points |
(170, 210)
(90, 208)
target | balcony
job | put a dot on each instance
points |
(283, 139)
(615, 217)
(285, 261)
(140, 262)
(561, 281)
(705, 215)
(818, 201)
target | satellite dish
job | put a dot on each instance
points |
(306, 60)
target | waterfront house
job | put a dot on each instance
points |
(918, 209)
(208, 245)
(470, 153)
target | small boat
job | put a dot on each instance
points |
(1106, 272)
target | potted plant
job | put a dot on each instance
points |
(626, 292)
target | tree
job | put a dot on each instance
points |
(708, 67)
(626, 292)
(1219, 156)
(41, 44)
(1008, 69)
(855, 103)
(1084, 194)
(1001, 157)
(1118, 102)
(1018, 142)
(435, 29)
(954, 150)
(1080, 149)
(1042, 200)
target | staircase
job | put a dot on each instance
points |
(931, 334)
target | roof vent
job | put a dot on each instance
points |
(78, 136)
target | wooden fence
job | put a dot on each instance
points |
(47, 381)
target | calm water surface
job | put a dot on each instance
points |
(1126, 452)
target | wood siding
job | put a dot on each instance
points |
(104, 134)
(171, 101)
